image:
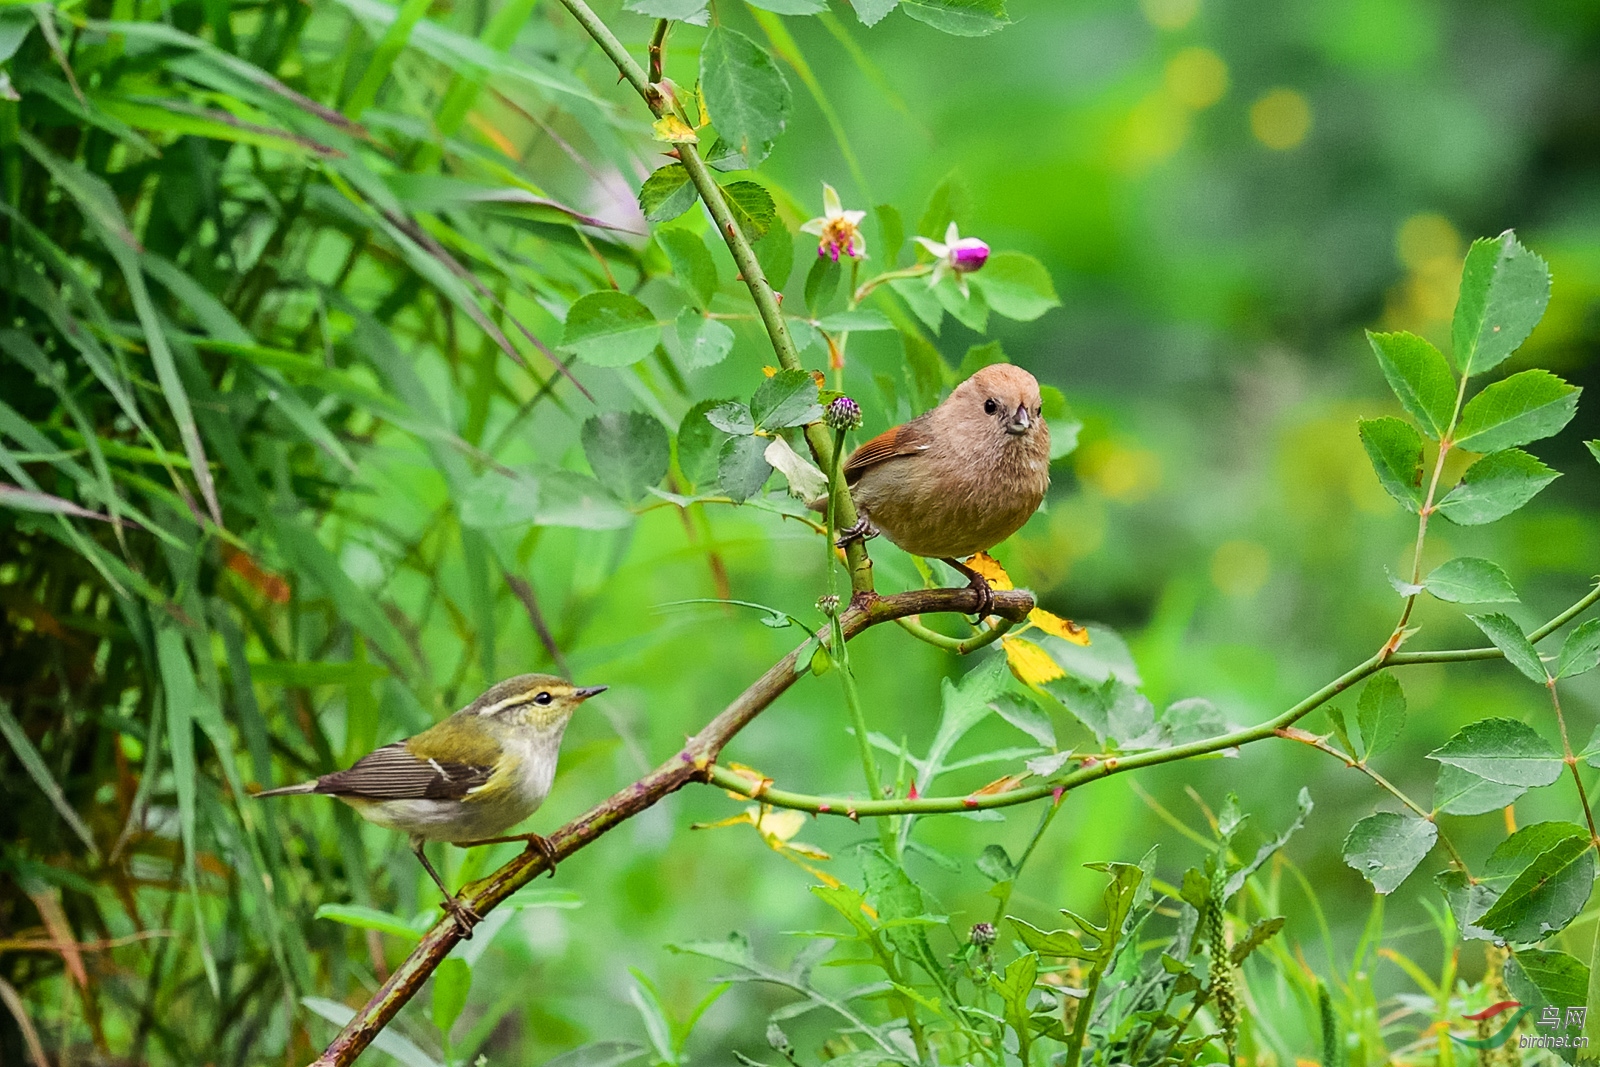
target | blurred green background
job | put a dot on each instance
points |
(1225, 192)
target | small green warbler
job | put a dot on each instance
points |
(468, 778)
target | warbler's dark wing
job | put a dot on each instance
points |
(907, 439)
(393, 773)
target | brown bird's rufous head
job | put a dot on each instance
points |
(1002, 398)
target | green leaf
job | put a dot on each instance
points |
(920, 299)
(1543, 978)
(39, 771)
(494, 500)
(1063, 943)
(775, 253)
(1419, 376)
(452, 981)
(627, 450)
(987, 355)
(1529, 406)
(1503, 751)
(745, 92)
(1495, 486)
(1261, 931)
(971, 309)
(1509, 639)
(1580, 652)
(1016, 285)
(871, 12)
(1459, 792)
(1381, 713)
(788, 398)
(961, 18)
(1594, 450)
(610, 329)
(862, 320)
(742, 467)
(822, 283)
(1514, 855)
(791, 7)
(690, 11)
(700, 341)
(1466, 580)
(691, 262)
(1547, 895)
(1014, 986)
(365, 918)
(1395, 449)
(567, 498)
(1468, 901)
(752, 208)
(731, 416)
(667, 193)
(891, 232)
(1387, 847)
(1504, 290)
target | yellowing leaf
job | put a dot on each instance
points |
(769, 371)
(758, 784)
(1056, 626)
(674, 130)
(1031, 664)
(991, 570)
(999, 785)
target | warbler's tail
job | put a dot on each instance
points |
(286, 790)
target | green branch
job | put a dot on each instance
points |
(959, 645)
(874, 808)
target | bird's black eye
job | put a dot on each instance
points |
(990, 407)
(542, 698)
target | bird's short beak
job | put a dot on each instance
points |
(589, 691)
(1020, 421)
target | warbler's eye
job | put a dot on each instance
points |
(542, 698)
(990, 407)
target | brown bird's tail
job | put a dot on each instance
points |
(286, 790)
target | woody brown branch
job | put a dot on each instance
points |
(690, 764)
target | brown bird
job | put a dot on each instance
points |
(959, 479)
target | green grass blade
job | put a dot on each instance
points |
(34, 764)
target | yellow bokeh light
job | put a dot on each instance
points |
(1240, 568)
(1124, 474)
(1154, 130)
(1196, 78)
(1281, 119)
(1425, 238)
(1170, 14)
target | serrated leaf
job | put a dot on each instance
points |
(628, 451)
(871, 12)
(700, 341)
(1381, 713)
(1460, 792)
(745, 92)
(862, 320)
(1495, 486)
(667, 193)
(1385, 848)
(788, 398)
(691, 262)
(1514, 855)
(494, 500)
(1468, 901)
(1594, 449)
(1580, 652)
(742, 467)
(1467, 580)
(1062, 943)
(1529, 406)
(690, 11)
(791, 7)
(960, 18)
(1259, 934)
(610, 329)
(1504, 290)
(1547, 895)
(1015, 284)
(1509, 639)
(1501, 750)
(1419, 376)
(1395, 449)
(731, 416)
(1541, 978)
(1195, 719)
(752, 208)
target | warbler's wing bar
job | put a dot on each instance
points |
(393, 773)
(907, 439)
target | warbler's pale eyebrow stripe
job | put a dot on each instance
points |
(508, 702)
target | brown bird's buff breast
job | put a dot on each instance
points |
(961, 494)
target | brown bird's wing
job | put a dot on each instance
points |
(907, 439)
(393, 773)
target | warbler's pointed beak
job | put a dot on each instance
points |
(1020, 421)
(589, 691)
